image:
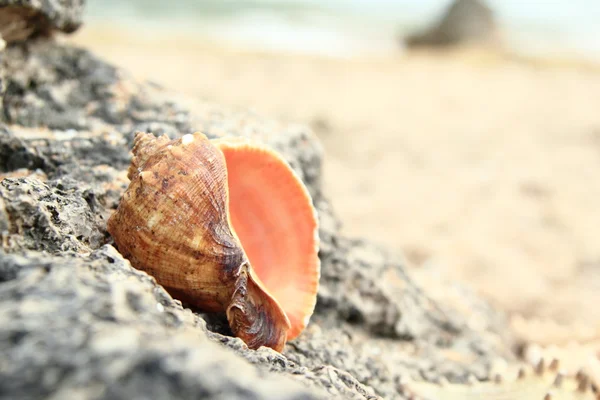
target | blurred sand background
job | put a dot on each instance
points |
(477, 165)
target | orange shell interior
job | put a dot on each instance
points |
(272, 214)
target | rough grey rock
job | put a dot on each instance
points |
(14, 154)
(2, 73)
(464, 22)
(95, 328)
(21, 19)
(56, 218)
(73, 93)
(63, 154)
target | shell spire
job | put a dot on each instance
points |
(226, 226)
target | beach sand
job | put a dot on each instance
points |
(476, 165)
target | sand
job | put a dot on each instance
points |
(477, 165)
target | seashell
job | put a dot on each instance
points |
(225, 225)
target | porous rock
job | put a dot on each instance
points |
(21, 19)
(83, 323)
(56, 218)
(94, 327)
(465, 22)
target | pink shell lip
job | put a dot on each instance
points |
(272, 214)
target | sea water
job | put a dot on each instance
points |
(355, 27)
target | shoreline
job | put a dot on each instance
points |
(98, 34)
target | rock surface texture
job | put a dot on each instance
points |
(78, 321)
(464, 22)
(21, 19)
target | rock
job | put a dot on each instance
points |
(80, 322)
(22, 19)
(2, 72)
(464, 22)
(96, 328)
(76, 96)
(14, 154)
(56, 218)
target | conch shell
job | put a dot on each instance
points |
(224, 225)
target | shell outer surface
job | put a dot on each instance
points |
(172, 220)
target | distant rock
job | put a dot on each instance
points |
(465, 22)
(21, 19)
